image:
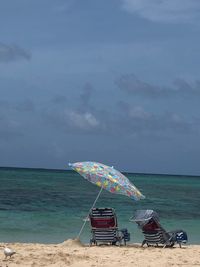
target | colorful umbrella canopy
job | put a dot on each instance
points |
(108, 178)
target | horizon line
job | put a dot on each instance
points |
(68, 169)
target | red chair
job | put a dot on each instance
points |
(104, 227)
(154, 233)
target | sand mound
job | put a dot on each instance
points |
(72, 243)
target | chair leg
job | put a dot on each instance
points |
(143, 243)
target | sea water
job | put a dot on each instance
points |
(49, 206)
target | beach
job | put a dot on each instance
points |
(74, 253)
(47, 206)
(42, 211)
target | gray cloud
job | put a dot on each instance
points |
(124, 119)
(72, 120)
(79, 118)
(136, 120)
(185, 87)
(9, 53)
(59, 100)
(131, 84)
(85, 96)
(25, 106)
(170, 11)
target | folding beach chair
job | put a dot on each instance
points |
(154, 233)
(104, 227)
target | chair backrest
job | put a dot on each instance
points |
(103, 218)
(151, 226)
(154, 232)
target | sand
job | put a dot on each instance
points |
(73, 253)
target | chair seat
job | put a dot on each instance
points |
(105, 235)
(154, 238)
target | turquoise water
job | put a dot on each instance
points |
(49, 206)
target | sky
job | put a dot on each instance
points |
(112, 81)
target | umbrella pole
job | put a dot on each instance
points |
(88, 213)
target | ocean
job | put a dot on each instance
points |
(49, 206)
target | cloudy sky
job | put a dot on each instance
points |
(113, 81)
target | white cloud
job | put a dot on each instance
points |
(83, 121)
(139, 113)
(164, 10)
(92, 121)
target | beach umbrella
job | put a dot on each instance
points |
(107, 178)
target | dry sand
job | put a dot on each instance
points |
(73, 253)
